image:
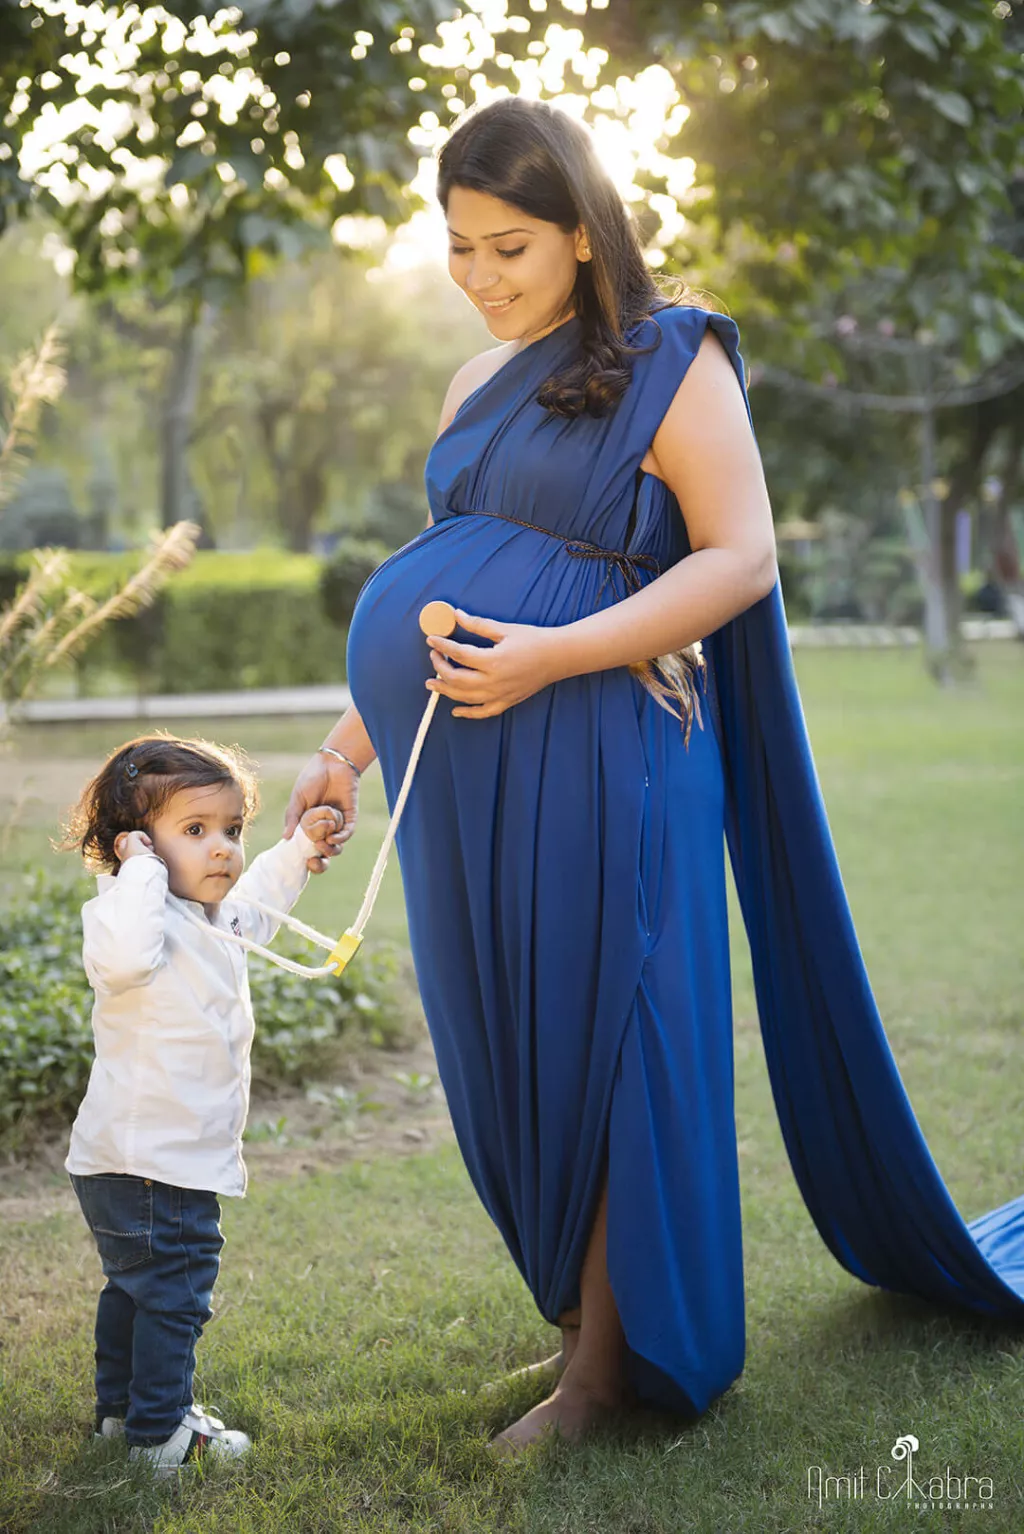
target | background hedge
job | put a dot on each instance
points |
(230, 621)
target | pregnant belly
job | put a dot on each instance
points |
(486, 566)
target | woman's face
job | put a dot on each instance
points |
(518, 271)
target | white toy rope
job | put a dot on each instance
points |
(307, 971)
(436, 618)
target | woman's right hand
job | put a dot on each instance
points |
(324, 780)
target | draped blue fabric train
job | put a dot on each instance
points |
(854, 1143)
(857, 1151)
(563, 867)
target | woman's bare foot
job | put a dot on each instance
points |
(554, 1366)
(593, 1384)
(569, 1412)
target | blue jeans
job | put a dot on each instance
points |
(160, 1248)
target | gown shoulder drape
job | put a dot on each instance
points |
(564, 874)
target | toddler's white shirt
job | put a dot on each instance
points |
(168, 1093)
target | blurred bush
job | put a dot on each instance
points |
(346, 572)
(794, 573)
(241, 620)
(230, 621)
(45, 1007)
(51, 622)
(860, 573)
(46, 1048)
(395, 513)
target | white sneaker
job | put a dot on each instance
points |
(196, 1436)
(110, 1427)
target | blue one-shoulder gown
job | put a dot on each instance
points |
(563, 866)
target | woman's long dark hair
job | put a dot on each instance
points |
(540, 160)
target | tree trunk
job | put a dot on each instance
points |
(177, 496)
(961, 662)
(1006, 555)
(302, 496)
(946, 654)
(937, 618)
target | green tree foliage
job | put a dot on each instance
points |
(332, 382)
(320, 391)
(828, 138)
(222, 140)
(854, 159)
(834, 137)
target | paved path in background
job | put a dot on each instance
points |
(191, 705)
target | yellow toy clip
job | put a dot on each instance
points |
(344, 949)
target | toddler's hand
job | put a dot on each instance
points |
(322, 824)
(131, 843)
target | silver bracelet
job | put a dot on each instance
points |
(341, 758)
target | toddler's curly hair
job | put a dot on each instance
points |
(138, 779)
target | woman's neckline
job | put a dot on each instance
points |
(513, 356)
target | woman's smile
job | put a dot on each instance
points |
(498, 305)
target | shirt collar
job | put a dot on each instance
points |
(196, 906)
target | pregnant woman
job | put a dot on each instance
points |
(598, 508)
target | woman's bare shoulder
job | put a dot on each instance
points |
(470, 376)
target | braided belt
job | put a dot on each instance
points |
(626, 564)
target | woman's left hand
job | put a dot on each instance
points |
(522, 660)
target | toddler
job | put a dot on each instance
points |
(158, 1137)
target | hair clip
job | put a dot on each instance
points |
(131, 770)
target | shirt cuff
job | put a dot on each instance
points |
(304, 847)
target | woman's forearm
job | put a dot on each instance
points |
(688, 602)
(349, 736)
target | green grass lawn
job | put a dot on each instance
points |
(360, 1311)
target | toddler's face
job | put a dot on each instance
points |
(198, 833)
